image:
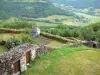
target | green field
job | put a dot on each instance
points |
(43, 24)
(3, 49)
(50, 21)
(68, 20)
(55, 43)
(93, 19)
(8, 36)
(67, 61)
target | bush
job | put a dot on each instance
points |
(2, 42)
(27, 31)
(89, 33)
(17, 24)
(12, 43)
(28, 39)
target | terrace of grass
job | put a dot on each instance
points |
(67, 61)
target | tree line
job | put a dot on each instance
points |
(89, 33)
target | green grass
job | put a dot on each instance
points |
(53, 17)
(60, 17)
(64, 19)
(42, 24)
(8, 36)
(68, 20)
(93, 19)
(21, 36)
(3, 49)
(54, 43)
(67, 61)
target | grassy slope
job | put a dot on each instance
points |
(67, 61)
(29, 9)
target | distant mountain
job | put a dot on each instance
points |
(29, 8)
(79, 3)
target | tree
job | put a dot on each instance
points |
(97, 37)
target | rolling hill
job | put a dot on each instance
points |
(29, 8)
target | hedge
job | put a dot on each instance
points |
(56, 37)
(7, 30)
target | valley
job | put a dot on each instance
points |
(54, 20)
(49, 37)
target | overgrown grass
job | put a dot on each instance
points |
(3, 49)
(25, 38)
(8, 36)
(67, 61)
(55, 43)
(43, 24)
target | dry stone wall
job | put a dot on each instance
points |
(92, 44)
(15, 54)
(8, 59)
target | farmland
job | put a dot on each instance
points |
(68, 20)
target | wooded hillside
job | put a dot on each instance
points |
(33, 9)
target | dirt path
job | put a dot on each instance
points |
(43, 40)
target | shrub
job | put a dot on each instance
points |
(2, 42)
(28, 39)
(12, 43)
(17, 24)
(27, 31)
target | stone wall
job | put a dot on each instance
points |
(92, 44)
(23, 63)
(18, 53)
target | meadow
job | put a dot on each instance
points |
(67, 61)
(7, 36)
(3, 49)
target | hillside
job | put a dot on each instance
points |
(79, 3)
(29, 8)
(67, 61)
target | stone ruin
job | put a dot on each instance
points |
(9, 58)
(92, 44)
(15, 54)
